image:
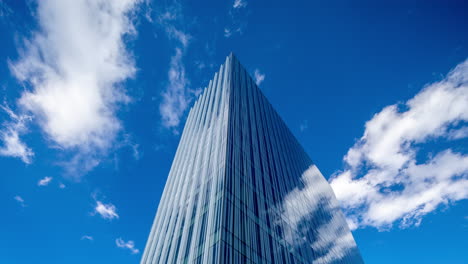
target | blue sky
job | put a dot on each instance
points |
(94, 98)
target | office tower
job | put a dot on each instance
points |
(242, 190)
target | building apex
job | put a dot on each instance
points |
(232, 56)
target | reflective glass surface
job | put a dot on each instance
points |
(241, 189)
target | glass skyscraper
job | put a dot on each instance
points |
(241, 189)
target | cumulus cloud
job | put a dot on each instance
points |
(388, 178)
(106, 211)
(177, 94)
(258, 76)
(74, 67)
(45, 181)
(10, 136)
(20, 200)
(331, 239)
(130, 245)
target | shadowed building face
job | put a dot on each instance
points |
(242, 190)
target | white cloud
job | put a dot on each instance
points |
(135, 151)
(128, 141)
(128, 245)
(10, 136)
(237, 19)
(175, 97)
(177, 94)
(75, 66)
(86, 237)
(182, 37)
(239, 3)
(388, 180)
(45, 181)
(458, 133)
(106, 211)
(200, 65)
(62, 186)
(20, 200)
(258, 76)
(332, 239)
(227, 32)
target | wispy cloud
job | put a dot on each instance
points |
(75, 80)
(5, 13)
(130, 245)
(86, 237)
(45, 181)
(106, 211)
(10, 136)
(304, 125)
(227, 32)
(62, 186)
(177, 94)
(128, 142)
(175, 97)
(237, 19)
(239, 3)
(259, 77)
(387, 179)
(20, 200)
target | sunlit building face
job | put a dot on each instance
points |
(242, 190)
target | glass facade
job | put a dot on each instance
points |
(241, 189)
